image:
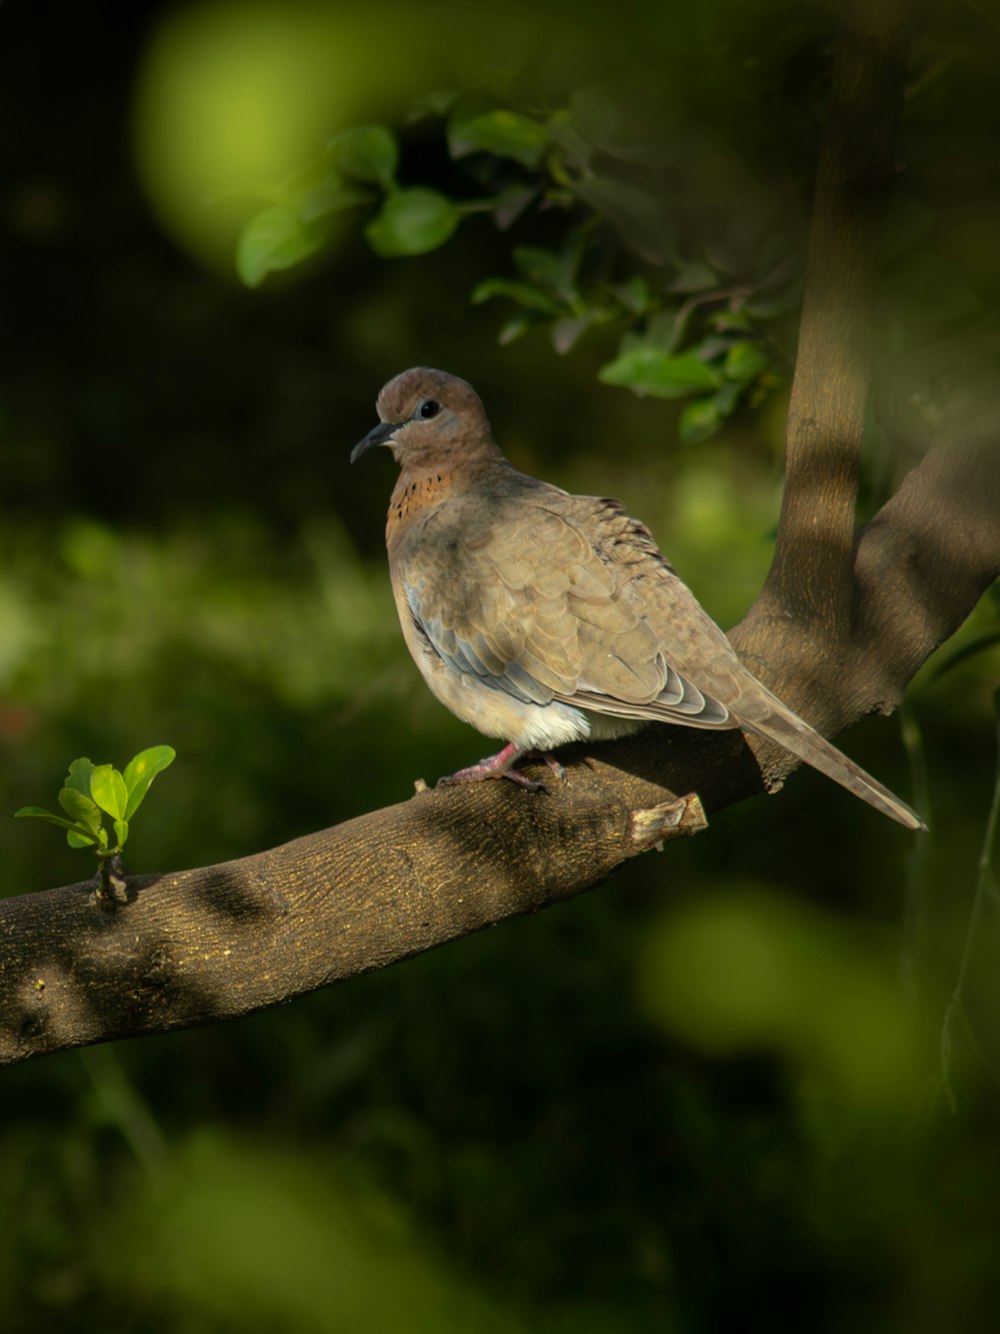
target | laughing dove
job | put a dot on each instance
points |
(541, 617)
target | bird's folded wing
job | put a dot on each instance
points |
(552, 605)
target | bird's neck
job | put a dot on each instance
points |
(415, 493)
(424, 484)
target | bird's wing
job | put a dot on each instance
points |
(555, 597)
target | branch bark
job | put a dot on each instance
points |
(811, 573)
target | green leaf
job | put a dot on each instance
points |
(78, 777)
(499, 131)
(703, 416)
(121, 832)
(140, 772)
(274, 240)
(367, 153)
(80, 809)
(567, 332)
(411, 223)
(40, 813)
(731, 321)
(634, 294)
(331, 195)
(538, 266)
(511, 203)
(699, 419)
(728, 395)
(108, 789)
(84, 839)
(516, 327)
(77, 840)
(523, 293)
(664, 330)
(649, 370)
(545, 268)
(745, 360)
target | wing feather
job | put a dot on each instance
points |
(565, 599)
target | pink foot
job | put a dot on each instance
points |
(501, 766)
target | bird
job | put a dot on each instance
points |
(541, 617)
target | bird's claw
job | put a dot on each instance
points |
(476, 772)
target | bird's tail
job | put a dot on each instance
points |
(785, 727)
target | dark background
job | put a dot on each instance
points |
(706, 1097)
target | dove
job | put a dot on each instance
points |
(541, 617)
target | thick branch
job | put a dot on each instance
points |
(220, 941)
(811, 574)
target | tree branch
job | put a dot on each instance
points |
(811, 573)
(217, 942)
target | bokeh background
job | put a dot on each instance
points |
(733, 1083)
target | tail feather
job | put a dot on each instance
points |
(788, 730)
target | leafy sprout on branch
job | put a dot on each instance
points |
(100, 803)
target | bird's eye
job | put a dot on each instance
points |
(429, 408)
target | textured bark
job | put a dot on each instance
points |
(811, 573)
(842, 625)
(222, 940)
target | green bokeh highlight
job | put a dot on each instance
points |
(743, 969)
(232, 99)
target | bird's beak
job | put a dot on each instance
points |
(379, 435)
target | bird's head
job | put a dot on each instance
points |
(428, 417)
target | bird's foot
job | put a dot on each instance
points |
(485, 769)
(501, 766)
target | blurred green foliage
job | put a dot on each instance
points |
(744, 969)
(692, 322)
(704, 1098)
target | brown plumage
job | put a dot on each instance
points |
(542, 617)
